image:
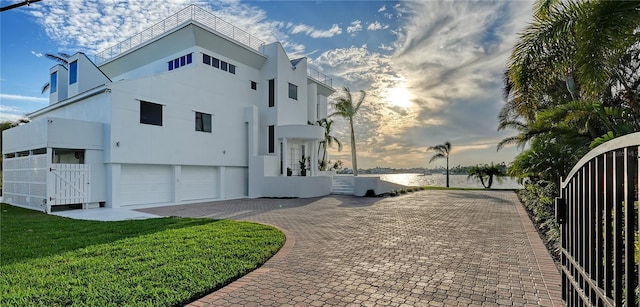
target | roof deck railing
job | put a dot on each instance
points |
(317, 75)
(190, 13)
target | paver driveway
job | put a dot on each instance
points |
(430, 248)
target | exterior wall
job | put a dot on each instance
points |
(62, 84)
(88, 75)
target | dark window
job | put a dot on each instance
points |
(176, 63)
(189, 59)
(254, 85)
(232, 69)
(293, 91)
(206, 59)
(272, 93)
(223, 65)
(272, 139)
(73, 72)
(183, 60)
(150, 113)
(215, 62)
(203, 122)
(170, 65)
(54, 82)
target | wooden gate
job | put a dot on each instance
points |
(68, 184)
(598, 215)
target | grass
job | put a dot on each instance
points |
(47, 260)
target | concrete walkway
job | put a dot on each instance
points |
(431, 248)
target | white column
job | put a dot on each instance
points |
(314, 158)
(312, 102)
(222, 182)
(285, 156)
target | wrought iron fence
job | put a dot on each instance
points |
(598, 215)
(190, 13)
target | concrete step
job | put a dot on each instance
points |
(342, 187)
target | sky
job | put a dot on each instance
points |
(431, 70)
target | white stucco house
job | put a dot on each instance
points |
(191, 109)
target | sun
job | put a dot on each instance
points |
(398, 96)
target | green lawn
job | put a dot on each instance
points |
(47, 260)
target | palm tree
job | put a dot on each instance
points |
(487, 172)
(347, 108)
(442, 152)
(328, 141)
(62, 58)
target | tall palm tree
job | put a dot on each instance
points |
(62, 58)
(328, 141)
(442, 152)
(347, 108)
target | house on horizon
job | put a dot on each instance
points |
(192, 109)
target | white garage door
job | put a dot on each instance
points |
(199, 182)
(146, 184)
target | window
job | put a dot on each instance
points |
(203, 122)
(272, 139)
(54, 82)
(254, 85)
(73, 72)
(272, 93)
(206, 59)
(293, 91)
(215, 63)
(232, 69)
(223, 65)
(182, 61)
(150, 113)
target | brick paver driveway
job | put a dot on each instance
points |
(431, 248)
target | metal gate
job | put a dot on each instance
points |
(598, 215)
(68, 184)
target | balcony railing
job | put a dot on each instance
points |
(318, 76)
(190, 13)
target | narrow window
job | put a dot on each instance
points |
(170, 65)
(215, 62)
(272, 139)
(189, 59)
(272, 93)
(203, 122)
(223, 65)
(232, 69)
(183, 60)
(73, 72)
(176, 63)
(206, 59)
(150, 113)
(54, 82)
(293, 91)
(254, 85)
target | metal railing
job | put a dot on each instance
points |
(318, 76)
(190, 13)
(598, 215)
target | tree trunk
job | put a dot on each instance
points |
(482, 180)
(354, 162)
(447, 171)
(490, 182)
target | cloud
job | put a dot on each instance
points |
(376, 26)
(382, 9)
(316, 33)
(21, 98)
(356, 26)
(385, 47)
(37, 54)
(9, 113)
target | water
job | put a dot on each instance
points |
(439, 180)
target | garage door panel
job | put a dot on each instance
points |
(146, 184)
(199, 182)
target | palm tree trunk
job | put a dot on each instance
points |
(490, 183)
(353, 148)
(447, 171)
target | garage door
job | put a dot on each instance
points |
(146, 184)
(199, 182)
